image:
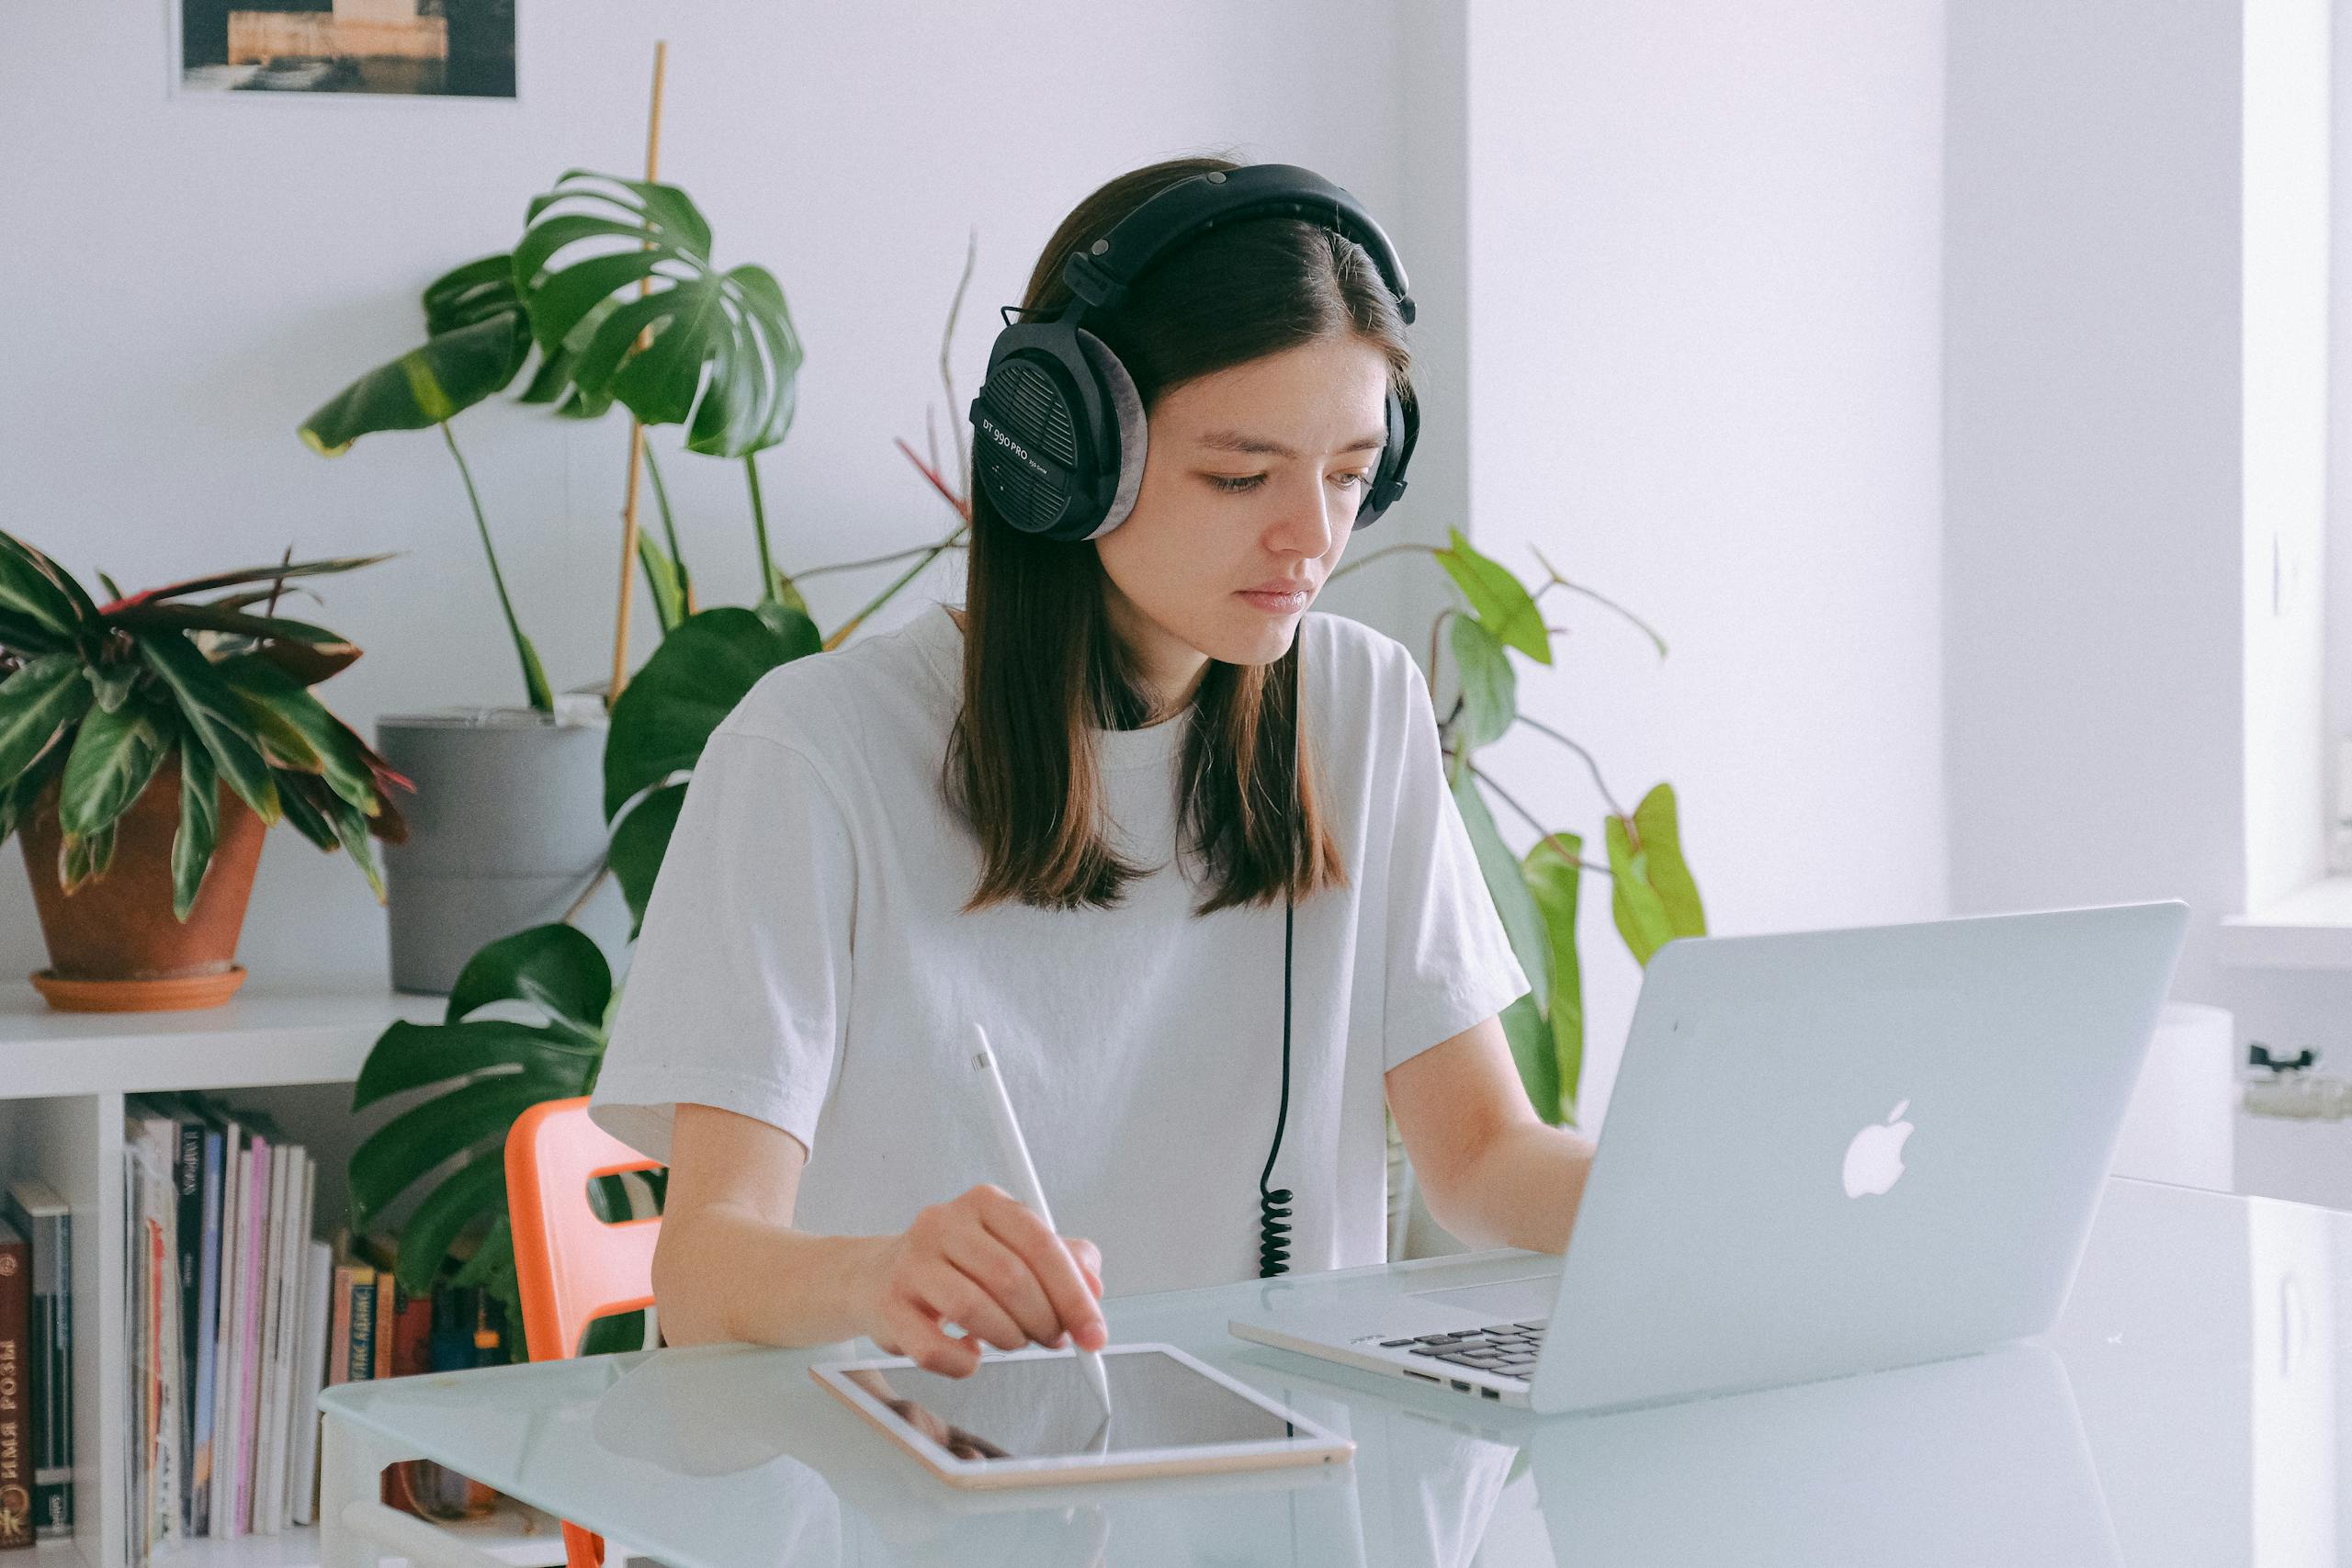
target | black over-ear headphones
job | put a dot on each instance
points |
(1059, 428)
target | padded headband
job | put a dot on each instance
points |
(1098, 276)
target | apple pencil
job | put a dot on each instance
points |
(1015, 1151)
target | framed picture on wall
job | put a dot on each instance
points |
(410, 47)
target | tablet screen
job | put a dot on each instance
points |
(1043, 1407)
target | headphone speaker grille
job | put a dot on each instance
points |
(1039, 410)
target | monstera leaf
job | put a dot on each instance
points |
(477, 340)
(665, 717)
(626, 304)
(484, 1072)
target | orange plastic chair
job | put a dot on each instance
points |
(570, 1266)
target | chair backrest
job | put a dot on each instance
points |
(572, 1268)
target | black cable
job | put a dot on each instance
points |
(1273, 1204)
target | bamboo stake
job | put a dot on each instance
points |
(636, 428)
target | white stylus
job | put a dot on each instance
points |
(1016, 1156)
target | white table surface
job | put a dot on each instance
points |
(2190, 1407)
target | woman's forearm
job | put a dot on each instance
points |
(724, 1273)
(1524, 1192)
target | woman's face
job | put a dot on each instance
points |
(1251, 478)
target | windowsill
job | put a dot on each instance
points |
(2309, 929)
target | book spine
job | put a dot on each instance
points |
(339, 1330)
(187, 1186)
(362, 1323)
(235, 1176)
(206, 1343)
(318, 1278)
(16, 1391)
(255, 1247)
(61, 1516)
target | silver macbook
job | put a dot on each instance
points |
(1827, 1152)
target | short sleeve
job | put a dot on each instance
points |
(738, 991)
(1449, 960)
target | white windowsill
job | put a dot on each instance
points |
(2309, 929)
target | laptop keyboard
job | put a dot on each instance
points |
(1508, 1349)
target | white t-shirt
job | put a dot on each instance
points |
(805, 961)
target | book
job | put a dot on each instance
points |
(15, 1389)
(46, 1223)
(362, 1352)
(318, 1278)
(207, 1337)
(236, 1173)
(253, 1223)
(284, 1178)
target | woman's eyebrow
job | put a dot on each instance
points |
(1234, 441)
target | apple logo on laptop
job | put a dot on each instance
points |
(1874, 1159)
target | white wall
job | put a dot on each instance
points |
(197, 274)
(2093, 539)
(1704, 348)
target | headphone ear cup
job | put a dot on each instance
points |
(1125, 405)
(1403, 423)
(1043, 431)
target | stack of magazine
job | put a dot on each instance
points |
(225, 1316)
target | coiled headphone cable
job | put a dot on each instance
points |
(1273, 1203)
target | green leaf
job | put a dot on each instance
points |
(473, 292)
(113, 757)
(639, 844)
(1499, 600)
(1531, 1052)
(1655, 898)
(475, 1189)
(1522, 922)
(786, 594)
(18, 798)
(36, 590)
(306, 811)
(404, 1149)
(81, 859)
(450, 373)
(714, 350)
(36, 703)
(351, 826)
(1489, 686)
(111, 683)
(212, 711)
(663, 581)
(266, 689)
(1553, 876)
(244, 574)
(1641, 915)
(411, 1056)
(1661, 836)
(199, 826)
(558, 968)
(696, 676)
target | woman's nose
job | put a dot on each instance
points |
(1311, 518)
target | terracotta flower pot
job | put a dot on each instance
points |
(114, 944)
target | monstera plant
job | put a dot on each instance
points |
(714, 351)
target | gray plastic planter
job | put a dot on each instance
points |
(506, 830)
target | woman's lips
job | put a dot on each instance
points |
(1278, 604)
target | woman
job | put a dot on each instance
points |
(1106, 809)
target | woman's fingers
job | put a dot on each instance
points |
(1089, 1261)
(956, 1296)
(922, 1340)
(1017, 1227)
(1006, 1278)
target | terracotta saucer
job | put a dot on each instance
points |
(170, 995)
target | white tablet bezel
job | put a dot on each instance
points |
(1313, 1444)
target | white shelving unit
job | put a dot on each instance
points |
(62, 1079)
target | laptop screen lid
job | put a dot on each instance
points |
(1836, 1151)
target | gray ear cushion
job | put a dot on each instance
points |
(1128, 405)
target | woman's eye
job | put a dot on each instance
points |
(1234, 483)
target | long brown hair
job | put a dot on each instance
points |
(1043, 665)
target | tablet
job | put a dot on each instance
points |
(1029, 1417)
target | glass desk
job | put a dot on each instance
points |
(2188, 1409)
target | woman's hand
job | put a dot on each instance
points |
(984, 1261)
